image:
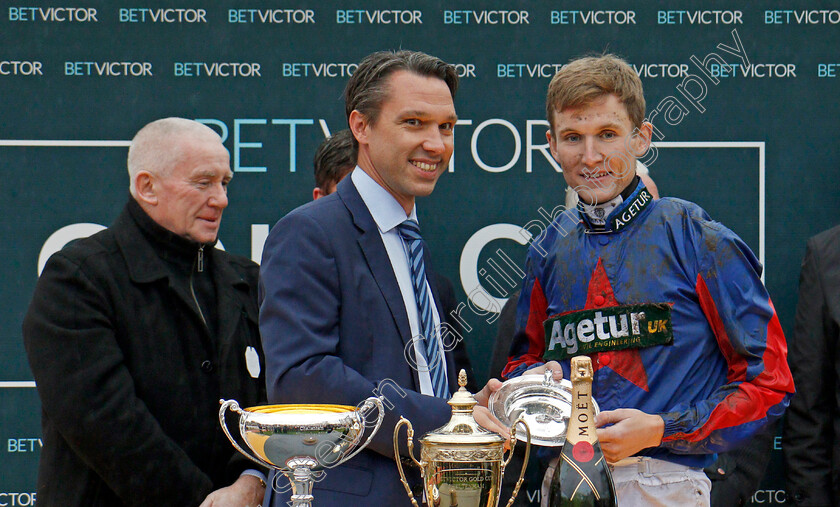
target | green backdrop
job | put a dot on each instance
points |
(745, 99)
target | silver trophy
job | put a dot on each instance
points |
(302, 440)
(541, 402)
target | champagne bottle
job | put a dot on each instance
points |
(582, 477)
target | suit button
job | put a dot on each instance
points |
(207, 366)
(605, 359)
(603, 240)
(599, 300)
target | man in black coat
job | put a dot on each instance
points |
(811, 441)
(134, 334)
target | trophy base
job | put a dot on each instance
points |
(302, 481)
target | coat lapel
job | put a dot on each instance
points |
(146, 266)
(231, 303)
(143, 261)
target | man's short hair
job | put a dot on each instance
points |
(584, 80)
(334, 158)
(156, 147)
(366, 90)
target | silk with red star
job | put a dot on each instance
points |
(627, 362)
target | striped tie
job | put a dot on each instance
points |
(410, 233)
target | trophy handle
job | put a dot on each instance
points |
(234, 407)
(372, 401)
(410, 436)
(510, 456)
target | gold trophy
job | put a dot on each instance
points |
(462, 464)
(302, 440)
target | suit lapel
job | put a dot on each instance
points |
(376, 257)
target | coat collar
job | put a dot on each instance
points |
(631, 207)
(143, 261)
(145, 266)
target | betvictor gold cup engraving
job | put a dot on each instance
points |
(302, 440)
(462, 464)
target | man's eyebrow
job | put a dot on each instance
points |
(425, 114)
(207, 174)
(612, 125)
(413, 112)
(607, 125)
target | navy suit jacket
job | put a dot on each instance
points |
(334, 330)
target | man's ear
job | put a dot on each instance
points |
(358, 124)
(640, 139)
(144, 186)
(552, 146)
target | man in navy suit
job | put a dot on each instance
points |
(339, 315)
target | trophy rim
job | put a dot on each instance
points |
(301, 408)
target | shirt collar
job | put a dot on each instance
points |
(597, 213)
(386, 211)
(626, 210)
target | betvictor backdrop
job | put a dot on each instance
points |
(743, 99)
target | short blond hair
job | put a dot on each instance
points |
(584, 80)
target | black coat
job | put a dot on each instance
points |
(811, 442)
(129, 375)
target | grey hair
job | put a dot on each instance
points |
(157, 147)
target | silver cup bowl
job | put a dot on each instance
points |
(301, 441)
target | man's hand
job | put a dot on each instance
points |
(631, 431)
(488, 421)
(554, 366)
(247, 491)
(483, 396)
(482, 415)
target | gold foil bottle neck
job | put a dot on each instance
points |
(582, 418)
(581, 367)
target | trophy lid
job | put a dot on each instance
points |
(462, 428)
